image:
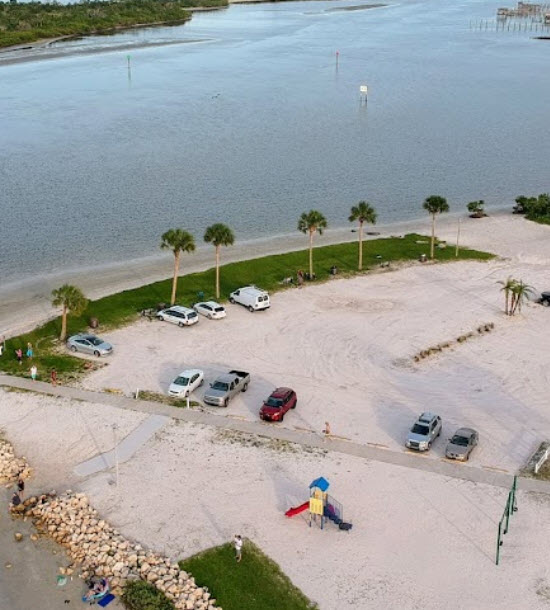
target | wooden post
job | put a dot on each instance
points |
(457, 237)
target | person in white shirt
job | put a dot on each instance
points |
(238, 544)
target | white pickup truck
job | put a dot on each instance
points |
(225, 387)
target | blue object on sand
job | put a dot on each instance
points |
(106, 600)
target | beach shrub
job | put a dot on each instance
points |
(476, 209)
(534, 208)
(141, 595)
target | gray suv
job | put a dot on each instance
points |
(424, 431)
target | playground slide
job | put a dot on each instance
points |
(297, 509)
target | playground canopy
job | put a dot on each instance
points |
(321, 483)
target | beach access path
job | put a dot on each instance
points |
(302, 437)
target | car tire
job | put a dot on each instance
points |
(251, 309)
(200, 384)
(546, 303)
(73, 348)
(232, 300)
(181, 324)
(294, 405)
(225, 403)
(160, 318)
(209, 316)
(245, 387)
(429, 445)
(96, 353)
(282, 417)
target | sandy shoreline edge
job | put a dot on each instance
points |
(25, 304)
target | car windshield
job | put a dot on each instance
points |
(274, 402)
(192, 314)
(459, 440)
(219, 309)
(220, 385)
(95, 340)
(419, 429)
(182, 381)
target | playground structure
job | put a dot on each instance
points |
(321, 505)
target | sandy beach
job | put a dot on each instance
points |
(419, 539)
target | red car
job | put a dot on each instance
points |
(279, 402)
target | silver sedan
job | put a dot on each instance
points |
(89, 344)
(462, 444)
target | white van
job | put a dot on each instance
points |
(251, 297)
(182, 316)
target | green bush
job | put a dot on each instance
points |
(141, 595)
(535, 208)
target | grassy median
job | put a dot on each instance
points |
(267, 272)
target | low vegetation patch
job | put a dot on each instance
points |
(24, 22)
(437, 349)
(234, 437)
(534, 208)
(268, 272)
(166, 400)
(256, 583)
(141, 595)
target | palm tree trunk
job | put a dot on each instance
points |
(513, 304)
(432, 246)
(310, 254)
(507, 296)
(175, 280)
(217, 272)
(360, 245)
(63, 323)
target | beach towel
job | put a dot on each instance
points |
(106, 600)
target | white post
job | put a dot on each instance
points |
(116, 453)
(457, 237)
(137, 393)
(187, 401)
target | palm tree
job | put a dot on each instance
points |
(520, 292)
(71, 299)
(312, 222)
(219, 235)
(178, 241)
(435, 205)
(507, 287)
(362, 212)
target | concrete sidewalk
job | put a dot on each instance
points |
(299, 437)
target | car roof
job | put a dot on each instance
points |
(211, 303)
(180, 308)
(189, 372)
(465, 432)
(426, 417)
(84, 336)
(253, 289)
(280, 392)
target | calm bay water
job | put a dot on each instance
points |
(255, 124)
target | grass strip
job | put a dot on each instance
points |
(267, 272)
(255, 583)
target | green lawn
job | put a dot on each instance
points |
(267, 272)
(256, 583)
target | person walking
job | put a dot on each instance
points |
(30, 352)
(326, 431)
(238, 544)
(53, 377)
(15, 503)
(19, 355)
(300, 278)
(34, 372)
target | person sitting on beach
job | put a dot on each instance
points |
(97, 588)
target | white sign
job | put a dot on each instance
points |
(363, 89)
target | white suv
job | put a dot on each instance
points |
(251, 297)
(182, 316)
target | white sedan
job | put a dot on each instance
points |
(210, 309)
(186, 382)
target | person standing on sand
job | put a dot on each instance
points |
(34, 371)
(30, 352)
(19, 355)
(326, 431)
(300, 278)
(238, 544)
(20, 487)
(54, 377)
